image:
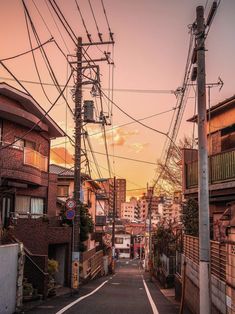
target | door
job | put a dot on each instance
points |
(6, 209)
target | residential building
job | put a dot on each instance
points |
(221, 150)
(128, 211)
(65, 190)
(107, 185)
(143, 208)
(122, 244)
(120, 194)
(27, 189)
(221, 161)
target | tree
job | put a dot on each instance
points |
(171, 170)
(86, 226)
(190, 217)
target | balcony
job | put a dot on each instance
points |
(23, 165)
(221, 170)
(35, 159)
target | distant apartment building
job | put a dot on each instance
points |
(143, 208)
(120, 194)
(130, 210)
(120, 190)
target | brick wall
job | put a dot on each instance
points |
(52, 195)
(10, 130)
(12, 159)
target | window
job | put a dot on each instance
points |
(22, 205)
(30, 144)
(25, 205)
(37, 205)
(119, 240)
(19, 143)
(63, 191)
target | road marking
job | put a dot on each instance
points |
(153, 306)
(115, 283)
(80, 299)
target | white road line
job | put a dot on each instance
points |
(80, 299)
(153, 306)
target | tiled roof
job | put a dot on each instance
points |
(61, 171)
(64, 172)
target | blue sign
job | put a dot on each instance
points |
(70, 214)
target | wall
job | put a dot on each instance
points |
(126, 245)
(8, 277)
(218, 289)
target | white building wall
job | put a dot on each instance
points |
(8, 277)
(123, 245)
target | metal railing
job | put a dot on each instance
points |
(35, 159)
(218, 255)
(221, 168)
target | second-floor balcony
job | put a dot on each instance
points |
(221, 170)
(35, 159)
(23, 164)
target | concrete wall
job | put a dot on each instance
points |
(218, 290)
(8, 277)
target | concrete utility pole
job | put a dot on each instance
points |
(204, 222)
(77, 167)
(113, 226)
(150, 259)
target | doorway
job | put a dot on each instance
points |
(6, 208)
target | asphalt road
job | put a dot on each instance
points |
(128, 291)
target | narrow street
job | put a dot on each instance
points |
(128, 291)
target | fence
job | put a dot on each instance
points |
(218, 255)
(92, 264)
(35, 159)
(221, 168)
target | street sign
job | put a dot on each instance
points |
(70, 203)
(70, 214)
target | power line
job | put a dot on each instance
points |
(45, 58)
(145, 91)
(96, 24)
(125, 124)
(40, 120)
(105, 14)
(127, 158)
(137, 121)
(28, 51)
(83, 21)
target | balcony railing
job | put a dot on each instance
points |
(35, 159)
(221, 168)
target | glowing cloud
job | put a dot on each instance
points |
(59, 155)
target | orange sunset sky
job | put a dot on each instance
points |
(151, 44)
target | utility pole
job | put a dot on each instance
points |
(77, 167)
(113, 225)
(204, 222)
(150, 233)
